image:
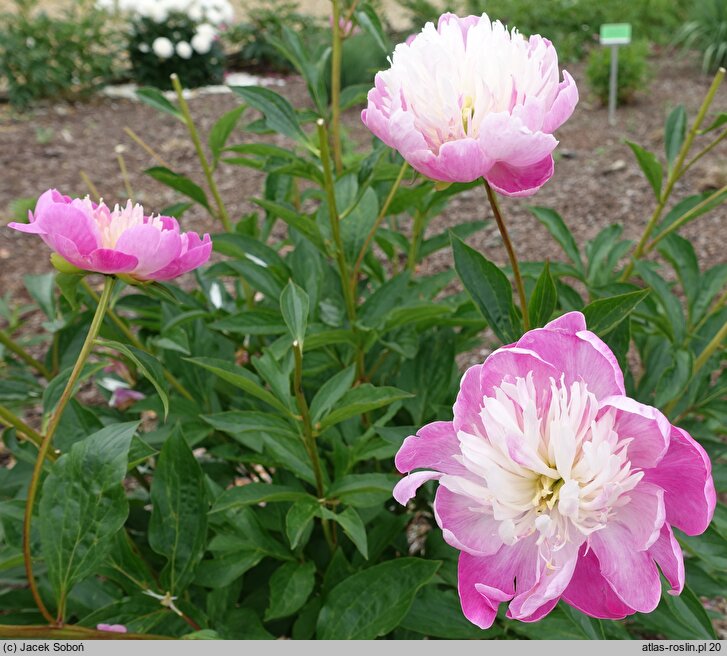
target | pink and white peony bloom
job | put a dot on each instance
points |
(120, 241)
(469, 99)
(554, 484)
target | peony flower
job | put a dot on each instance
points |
(162, 47)
(184, 50)
(554, 484)
(202, 43)
(112, 628)
(469, 100)
(119, 241)
(123, 398)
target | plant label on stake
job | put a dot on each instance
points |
(614, 35)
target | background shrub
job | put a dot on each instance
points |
(66, 56)
(633, 71)
(706, 31)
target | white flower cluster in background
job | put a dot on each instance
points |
(216, 12)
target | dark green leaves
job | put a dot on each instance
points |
(490, 290)
(221, 131)
(294, 305)
(279, 114)
(155, 98)
(557, 227)
(650, 165)
(178, 524)
(604, 314)
(675, 131)
(290, 587)
(363, 398)
(543, 299)
(180, 183)
(83, 505)
(373, 602)
(254, 493)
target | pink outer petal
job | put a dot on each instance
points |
(642, 517)
(463, 525)
(407, 487)
(668, 555)
(433, 447)
(504, 138)
(519, 182)
(462, 160)
(631, 574)
(564, 104)
(648, 428)
(67, 249)
(153, 248)
(598, 344)
(577, 358)
(506, 363)
(63, 221)
(571, 323)
(106, 260)
(197, 253)
(590, 593)
(685, 474)
(533, 603)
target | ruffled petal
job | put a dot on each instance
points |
(407, 487)
(669, 557)
(153, 248)
(466, 525)
(107, 260)
(433, 447)
(520, 182)
(564, 104)
(685, 474)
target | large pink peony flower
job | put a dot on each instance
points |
(554, 484)
(469, 100)
(119, 241)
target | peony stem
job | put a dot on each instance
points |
(375, 227)
(309, 440)
(336, 87)
(12, 346)
(10, 419)
(709, 350)
(138, 140)
(192, 129)
(125, 175)
(510, 253)
(676, 172)
(136, 342)
(48, 440)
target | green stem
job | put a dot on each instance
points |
(685, 218)
(309, 440)
(704, 151)
(136, 342)
(12, 346)
(10, 419)
(77, 632)
(510, 253)
(377, 223)
(192, 129)
(416, 239)
(674, 175)
(336, 52)
(48, 440)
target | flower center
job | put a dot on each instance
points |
(112, 224)
(547, 462)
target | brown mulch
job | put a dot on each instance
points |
(597, 181)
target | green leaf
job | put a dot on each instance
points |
(674, 133)
(604, 314)
(331, 392)
(717, 123)
(240, 378)
(353, 526)
(560, 232)
(178, 524)
(373, 602)
(673, 382)
(252, 322)
(670, 304)
(298, 518)
(361, 399)
(650, 165)
(83, 505)
(363, 490)
(294, 305)
(40, 287)
(367, 18)
(147, 365)
(290, 587)
(543, 299)
(680, 618)
(437, 613)
(564, 623)
(68, 284)
(279, 113)
(490, 290)
(221, 131)
(254, 493)
(294, 219)
(155, 98)
(180, 183)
